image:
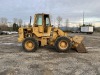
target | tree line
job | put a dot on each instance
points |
(4, 24)
(18, 23)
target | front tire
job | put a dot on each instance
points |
(30, 44)
(62, 44)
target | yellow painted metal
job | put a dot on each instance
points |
(21, 35)
(43, 41)
(61, 33)
(36, 32)
(48, 32)
(77, 40)
(55, 29)
(29, 45)
(63, 44)
(40, 29)
(54, 36)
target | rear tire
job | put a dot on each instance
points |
(30, 44)
(62, 44)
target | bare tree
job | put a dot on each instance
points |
(4, 27)
(3, 20)
(15, 20)
(20, 21)
(15, 27)
(59, 19)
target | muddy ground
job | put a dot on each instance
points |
(46, 61)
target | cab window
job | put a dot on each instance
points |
(47, 21)
(39, 20)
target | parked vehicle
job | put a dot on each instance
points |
(87, 29)
(1, 33)
(9, 32)
(43, 33)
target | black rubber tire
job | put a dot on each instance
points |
(33, 41)
(39, 44)
(58, 49)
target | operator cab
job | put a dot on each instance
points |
(42, 21)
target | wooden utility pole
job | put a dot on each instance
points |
(83, 19)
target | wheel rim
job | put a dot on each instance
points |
(29, 45)
(63, 44)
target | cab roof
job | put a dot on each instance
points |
(41, 14)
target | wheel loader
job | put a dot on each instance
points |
(42, 33)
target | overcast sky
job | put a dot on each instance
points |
(71, 9)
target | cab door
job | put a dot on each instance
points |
(47, 24)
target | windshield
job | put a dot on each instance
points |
(39, 20)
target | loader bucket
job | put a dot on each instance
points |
(81, 48)
(78, 45)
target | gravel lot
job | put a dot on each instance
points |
(45, 61)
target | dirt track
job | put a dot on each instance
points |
(45, 61)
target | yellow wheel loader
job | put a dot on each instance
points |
(42, 33)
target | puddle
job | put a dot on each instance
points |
(10, 44)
